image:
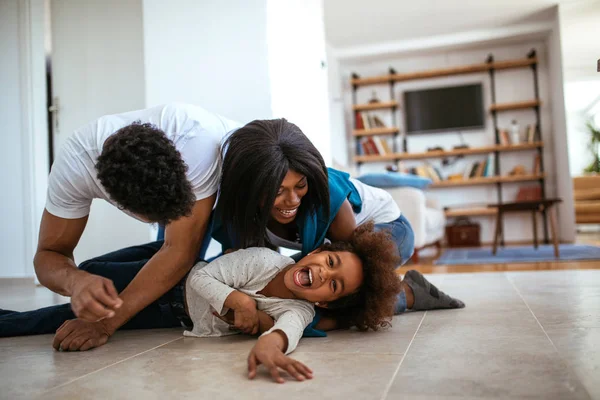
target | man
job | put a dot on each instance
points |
(157, 165)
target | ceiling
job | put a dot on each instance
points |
(360, 22)
(580, 33)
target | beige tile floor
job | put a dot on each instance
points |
(532, 335)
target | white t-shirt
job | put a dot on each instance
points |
(377, 204)
(248, 271)
(196, 133)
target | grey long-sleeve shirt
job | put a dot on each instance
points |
(248, 271)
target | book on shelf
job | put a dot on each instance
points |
(379, 145)
(378, 122)
(427, 171)
(371, 121)
(366, 147)
(471, 170)
(480, 169)
(537, 165)
(386, 146)
(371, 146)
(439, 173)
(359, 121)
(531, 133)
(359, 149)
(366, 120)
(489, 166)
(504, 137)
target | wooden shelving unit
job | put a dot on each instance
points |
(491, 67)
(471, 212)
(375, 106)
(520, 105)
(436, 73)
(488, 180)
(448, 153)
(375, 131)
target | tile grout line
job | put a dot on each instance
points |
(532, 313)
(107, 366)
(567, 363)
(389, 385)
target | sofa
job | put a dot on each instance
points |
(424, 214)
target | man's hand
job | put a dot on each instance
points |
(94, 298)
(78, 335)
(268, 351)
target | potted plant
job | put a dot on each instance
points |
(594, 146)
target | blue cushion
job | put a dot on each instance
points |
(394, 179)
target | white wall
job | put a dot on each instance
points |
(566, 210)
(339, 150)
(98, 69)
(511, 85)
(298, 69)
(210, 53)
(12, 210)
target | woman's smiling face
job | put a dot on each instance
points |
(289, 197)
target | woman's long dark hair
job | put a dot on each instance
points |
(256, 159)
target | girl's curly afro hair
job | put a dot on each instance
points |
(373, 305)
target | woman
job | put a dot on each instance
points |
(285, 185)
(274, 191)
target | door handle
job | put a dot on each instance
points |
(54, 110)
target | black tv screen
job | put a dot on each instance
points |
(448, 108)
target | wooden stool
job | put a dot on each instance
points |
(534, 206)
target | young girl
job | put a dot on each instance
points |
(355, 276)
(290, 199)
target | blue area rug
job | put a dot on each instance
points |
(525, 254)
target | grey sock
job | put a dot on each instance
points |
(427, 296)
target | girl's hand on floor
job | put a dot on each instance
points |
(268, 351)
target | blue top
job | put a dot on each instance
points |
(313, 228)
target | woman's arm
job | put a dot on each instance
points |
(343, 224)
(327, 324)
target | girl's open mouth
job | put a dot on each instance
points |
(303, 277)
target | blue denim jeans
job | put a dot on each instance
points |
(121, 267)
(404, 237)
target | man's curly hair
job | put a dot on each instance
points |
(372, 306)
(143, 172)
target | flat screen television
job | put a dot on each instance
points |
(443, 109)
